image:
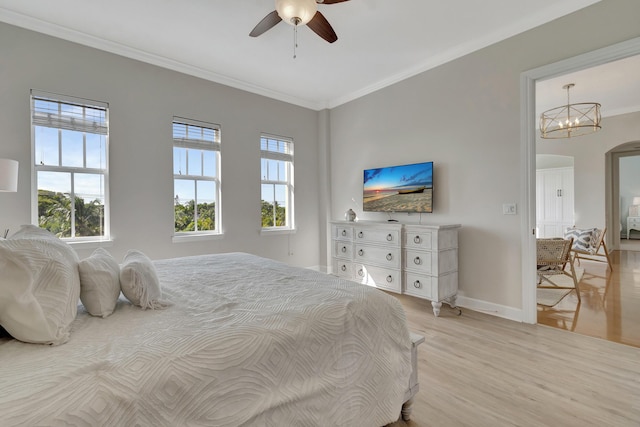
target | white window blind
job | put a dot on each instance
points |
(69, 115)
(197, 135)
(276, 148)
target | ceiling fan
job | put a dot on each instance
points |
(297, 13)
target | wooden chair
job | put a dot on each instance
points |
(553, 257)
(596, 252)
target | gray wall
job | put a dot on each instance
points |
(465, 116)
(143, 100)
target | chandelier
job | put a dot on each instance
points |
(571, 119)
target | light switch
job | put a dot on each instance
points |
(509, 209)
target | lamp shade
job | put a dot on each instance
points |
(8, 175)
(636, 201)
(296, 12)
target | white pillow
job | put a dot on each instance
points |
(99, 283)
(39, 289)
(139, 281)
(34, 232)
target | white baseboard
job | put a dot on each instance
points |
(499, 310)
(320, 268)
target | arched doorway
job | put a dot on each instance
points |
(623, 185)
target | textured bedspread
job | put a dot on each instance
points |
(247, 341)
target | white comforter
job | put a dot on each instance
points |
(247, 341)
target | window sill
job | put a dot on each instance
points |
(186, 238)
(276, 231)
(90, 244)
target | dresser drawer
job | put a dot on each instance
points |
(387, 257)
(342, 249)
(633, 222)
(432, 263)
(419, 261)
(343, 268)
(378, 236)
(419, 239)
(418, 285)
(378, 277)
(340, 232)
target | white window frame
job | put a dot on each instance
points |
(285, 155)
(203, 145)
(64, 122)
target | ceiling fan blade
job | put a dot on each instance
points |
(330, 1)
(321, 27)
(267, 23)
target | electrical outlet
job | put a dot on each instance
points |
(509, 209)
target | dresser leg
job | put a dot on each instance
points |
(436, 307)
(452, 301)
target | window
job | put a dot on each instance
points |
(70, 157)
(277, 182)
(196, 176)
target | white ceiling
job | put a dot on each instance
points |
(380, 41)
(614, 85)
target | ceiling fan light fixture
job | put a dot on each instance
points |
(296, 12)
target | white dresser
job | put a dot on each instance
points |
(418, 260)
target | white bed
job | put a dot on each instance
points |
(246, 341)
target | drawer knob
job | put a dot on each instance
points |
(343, 268)
(417, 260)
(344, 249)
(360, 234)
(417, 240)
(389, 237)
(360, 252)
(344, 232)
(417, 284)
(360, 273)
(389, 279)
(389, 257)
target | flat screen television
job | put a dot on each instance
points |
(404, 188)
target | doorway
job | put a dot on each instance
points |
(623, 168)
(528, 149)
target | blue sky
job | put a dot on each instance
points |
(416, 174)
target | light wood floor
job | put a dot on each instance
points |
(610, 306)
(480, 370)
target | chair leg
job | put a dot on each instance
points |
(606, 253)
(575, 281)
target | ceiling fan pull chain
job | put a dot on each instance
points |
(295, 40)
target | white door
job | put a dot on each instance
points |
(554, 199)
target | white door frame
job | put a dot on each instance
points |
(528, 126)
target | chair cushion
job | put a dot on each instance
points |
(582, 238)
